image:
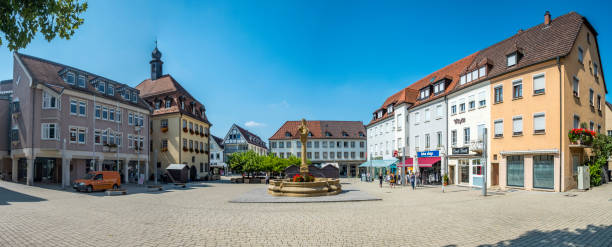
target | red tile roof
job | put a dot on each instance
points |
(48, 73)
(319, 129)
(251, 138)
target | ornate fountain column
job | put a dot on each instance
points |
(303, 139)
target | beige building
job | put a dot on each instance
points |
(179, 127)
(544, 82)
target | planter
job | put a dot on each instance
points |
(191, 132)
(185, 149)
(184, 129)
(164, 149)
(191, 150)
(202, 134)
(197, 151)
(164, 129)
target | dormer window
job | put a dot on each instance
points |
(101, 87)
(182, 105)
(361, 134)
(287, 134)
(134, 98)
(482, 71)
(70, 78)
(327, 134)
(168, 103)
(390, 109)
(345, 134)
(380, 113)
(157, 104)
(309, 134)
(424, 93)
(81, 81)
(511, 59)
(111, 90)
(439, 87)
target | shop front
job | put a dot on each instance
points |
(379, 167)
(466, 167)
(530, 169)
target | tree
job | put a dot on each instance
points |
(602, 149)
(21, 20)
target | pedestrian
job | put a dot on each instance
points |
(380, 178)
(267, 178)
(412, 178)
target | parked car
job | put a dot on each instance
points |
(98, 180)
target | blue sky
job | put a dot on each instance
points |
(260, 63)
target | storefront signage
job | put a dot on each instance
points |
(459, 120)
(461, 150)
(435, 153)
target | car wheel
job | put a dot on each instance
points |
(89, 189)
(115, 187)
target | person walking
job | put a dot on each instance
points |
(380, 178)
(412, 178)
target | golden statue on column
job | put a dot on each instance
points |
(303, 130)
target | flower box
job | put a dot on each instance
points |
(185, 149)
(164, 129)
(581, 136)
(164, 149)
(191, 132)
(197, 151)
(185, 129)
(202, 134)
(191, 150)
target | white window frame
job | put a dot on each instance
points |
(71, 130)
(118, 117)
(47, 99)
(104, 110)
(511, 59)
(76, 107)
(84, 104)
(74, 78)
(495, 134)
(84, 137)
(111, 90)
(543, 75)
(79, 81)
(538, 115)
(522, 130)
(45, 131)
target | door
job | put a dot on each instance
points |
(515, 170)
(192, 173)
(451, 177)
(98, 182)
(543, 171)
(494, 174)
(464, 170)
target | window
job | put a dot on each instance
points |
(439, 112)
(104, 112)
(476, 167)
(424, 93)
(70, 78)
(118, 116)
(454, 138)
(576, 121)
(73, 107)
(463, 80)
(466, 136)
(499, 128)
(98, 137)
(346, 155)
(427, 115)
(595, 70)
(98, 112)
(599, 102)
(482, 71)
(439, 88)
(111, 90)
(511, 59)
(469, 77)
(591, 97)
(352, 155)
(104, 136)
(462, 108)
(517, 89)
(190, 144)
(610, 133)
(49, 131)
(273, 144)
(539, 84)
(352, 144)
(416, 142)
(134, 99)
(576, 86)
(73, 134)
(453, 109)
(81, 81)
(82, 109)
(131, 118)
(281, 145)
(49, 101)
(474, 75)
(599, 129)
(439, 135)
(15, 134)
(111, 115)
(499, 94)
(317, 155)
(417, 118)
(309, 155)
(190, 126)
(101, 87)
(591, 125)
(82, 136)
(580, 54)
(289, 144)
(362, 144)
(482, 100)
(427, 141)
(539, 123)
(517, 126)
(472, 103)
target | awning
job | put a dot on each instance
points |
(423, 162)
(379, 163)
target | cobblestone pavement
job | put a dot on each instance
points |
(202, 216)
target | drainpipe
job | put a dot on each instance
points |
(446, 141)
(561, 156)
(32, 143)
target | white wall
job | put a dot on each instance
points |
(421, 126)
(388, 135)
(294, 149)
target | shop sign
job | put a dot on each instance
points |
(459, 120)
(461, 150)
(434, 153)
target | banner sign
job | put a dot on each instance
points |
(434, 153)
(461, 150)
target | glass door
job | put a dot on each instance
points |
(464, 169)
(515, 171)
(543, 171)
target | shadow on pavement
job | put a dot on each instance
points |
(131, 189)
(590, 236)
(7, 196)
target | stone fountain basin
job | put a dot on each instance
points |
(320, 187)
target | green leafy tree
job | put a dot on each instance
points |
(21, 20)
(602, 149)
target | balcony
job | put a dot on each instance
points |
(476, 146)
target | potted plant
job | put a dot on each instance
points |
(197, 151)
(574, 135)
(191, 131)
(191, 150)
(197, 132)
(185, 129)
(445, 179)
(185, 149)
(164, 129)
(202, 134)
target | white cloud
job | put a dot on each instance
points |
(254, 124)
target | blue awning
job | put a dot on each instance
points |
(379, 163)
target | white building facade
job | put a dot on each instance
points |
(469, 114)
(427, 129)
(217, 162)
(387, 136)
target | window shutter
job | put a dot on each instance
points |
(539, 82)
(539, 122)
(517, 125)
(499, 127)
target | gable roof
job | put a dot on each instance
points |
(48, 73)
(319, 129)
(218, 140)
(537, 44)
(251, 138)
(166, 85)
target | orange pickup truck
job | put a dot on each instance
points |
(98, 180)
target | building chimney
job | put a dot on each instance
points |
(547, 18)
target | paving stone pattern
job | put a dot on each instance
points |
(202, 215)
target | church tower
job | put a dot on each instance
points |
(156, 64)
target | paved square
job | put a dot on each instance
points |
(202, 215)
